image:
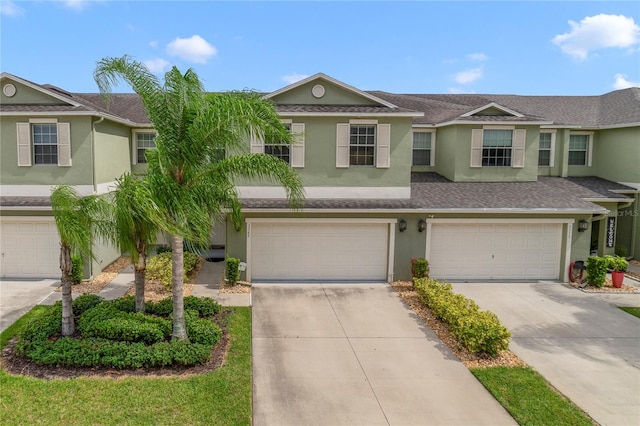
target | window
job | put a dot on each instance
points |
(280, 150)
(579, 150)
(45, 143)
(546, 147)
(362, 145)
(422, 146)
(144, 141)
(496, 147)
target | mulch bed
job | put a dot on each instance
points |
(469, 359)
(19, 365)
(100, 281)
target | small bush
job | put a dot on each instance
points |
(232, 273)
(163, 249)
(617, 263)
(205, 306)
(77, 272)
(621, 251)
(597, 270)
(420, 268)
(162, 308)
(200, 330)
(478, 331)
(85, 302)
(159, 267)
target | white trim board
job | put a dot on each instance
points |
(45, 190)
(331, 192)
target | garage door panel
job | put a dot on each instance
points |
(495, 251)
(30, 248)
(319, 251)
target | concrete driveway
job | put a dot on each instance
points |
(580, 342)
(355, 354)
(18, 296)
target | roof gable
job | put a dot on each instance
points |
(320, 89)
(494, 109)
(29, 93)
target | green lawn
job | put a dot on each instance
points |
(222, 397)
(528, 397)
(632, 310)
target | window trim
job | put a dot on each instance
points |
(552, 147)
(589, 148)
(134, 143)
(372, 146)
(432, 149)
(35, 154)
(25, 144)
(518, 146)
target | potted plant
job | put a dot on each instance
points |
(618, 266)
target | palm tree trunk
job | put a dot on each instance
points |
(68, 323)
(139, 278)
(177, 283)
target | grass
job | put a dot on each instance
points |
(527, 396)
(222, 397)
(635, 311)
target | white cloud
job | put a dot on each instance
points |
(76, 4)
(194, 49)
(468, 76)
(9, 8)
(477, 57)
(293, 78)
(622, 82)
(598, 32)
(153, 44)
(157, 65)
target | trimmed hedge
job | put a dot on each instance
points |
(597, 270)
(115, 336)
(478, 331)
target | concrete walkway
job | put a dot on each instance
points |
(208, 285)
(17, 297)
(356, 355)
(580, 342)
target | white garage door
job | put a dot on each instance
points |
(30, 248)
(299, 251)
(495, 251)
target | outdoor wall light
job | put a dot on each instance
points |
(402, 225)
(583, 225)
(422, 225)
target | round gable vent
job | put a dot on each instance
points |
(9, 90)
(318, 90)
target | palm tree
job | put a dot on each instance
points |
(78, 220)
(134, 210)
(191, 182)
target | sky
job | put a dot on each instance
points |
(499, 47)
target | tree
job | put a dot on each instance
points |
(201, 152)
(135, 216)
(79, 220)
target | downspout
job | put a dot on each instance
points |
(93, 160)
(93, 168)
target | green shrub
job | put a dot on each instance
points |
(420, 268)
(108, 322)
(200, 330)
(124, 304)
(85, 302)
(597, 270)
(163, 249)
(621, 251)
(162, 308)
(159, 267)
(478, 331)
(77, 266)
(140, 344)
(617, 263)
(232, 272)
(205, 306)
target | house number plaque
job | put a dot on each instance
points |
(611, 231)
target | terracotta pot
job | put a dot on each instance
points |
(616, 278)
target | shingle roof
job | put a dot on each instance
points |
(611, 109)
(430, 191)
